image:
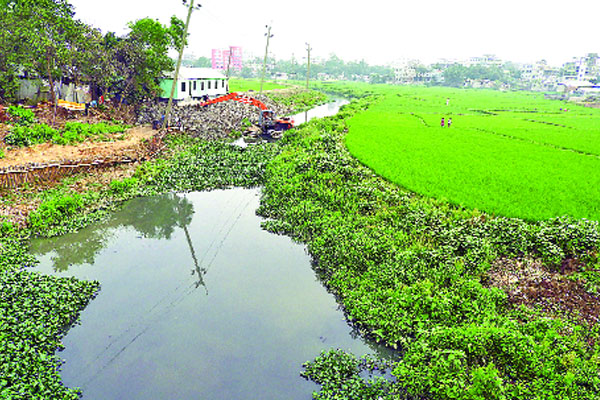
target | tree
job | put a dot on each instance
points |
(455, 75)
(11, 39)
(43, 33)
(141, 58)
(200, 62)
(51, 32)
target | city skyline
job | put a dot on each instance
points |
(522, 32)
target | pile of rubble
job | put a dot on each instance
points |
(211, 122)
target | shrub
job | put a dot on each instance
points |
(52, 211)
(23, 136)
(124, 186)
(21, 116)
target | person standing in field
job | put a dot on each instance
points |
(442, 122)
(447, 100)
(449, 122)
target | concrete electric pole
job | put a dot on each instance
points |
(269, 36)
(183, 39)
(308, 49)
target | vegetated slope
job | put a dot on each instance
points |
(511, 154)
(416, 274)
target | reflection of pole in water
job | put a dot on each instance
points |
(305, 116)
(197, 270)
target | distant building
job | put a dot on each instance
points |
(195, 83)
(228, 58)
(405, 71)
(539, 76)
(487, 60)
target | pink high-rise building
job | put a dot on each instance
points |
(232, 57)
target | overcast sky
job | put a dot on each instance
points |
(379, 31)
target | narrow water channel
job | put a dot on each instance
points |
(324, 110)
(196, 302)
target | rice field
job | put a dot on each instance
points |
(244, 85)
(513, 154)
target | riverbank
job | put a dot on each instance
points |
(35, 311)
(434, 280)
(472, 300)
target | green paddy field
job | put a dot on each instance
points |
(512, 154)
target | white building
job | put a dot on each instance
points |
(195, 83)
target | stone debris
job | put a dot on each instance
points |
(215, 121)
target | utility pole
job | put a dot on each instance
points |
(183, 39)
(308, 49)
(229, 63)
(269, 36)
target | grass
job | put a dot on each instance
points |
(509, 154)
(244, 85)
(410, 271)
(413, 272)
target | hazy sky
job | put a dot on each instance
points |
(378, 31)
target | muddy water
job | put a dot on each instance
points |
(197, 302)
(321, 111)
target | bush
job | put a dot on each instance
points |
(21, 116)
(124, 186)
(54, 210)
(23, 136)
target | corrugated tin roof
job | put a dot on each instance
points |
(198, 73)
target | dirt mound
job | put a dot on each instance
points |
(131, 146)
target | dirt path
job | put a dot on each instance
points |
(47, 152)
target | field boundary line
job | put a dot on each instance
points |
(583, 153)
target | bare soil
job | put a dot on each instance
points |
(47, 152)
(17, 203)
(529, 283)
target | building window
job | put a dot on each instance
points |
(194, 85)
(222, 84)
(183, 86)
(202, 86)
(209, 84)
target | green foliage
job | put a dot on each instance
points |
(54, 210)
(209, 165)
(23, 136)
(409, 271)
(339, 374)
(73, 132)
(298, 100)
(22, 116)
(244, 85)
(141, 58)
(34, 312)
(125, 186)
(45, 37)
(77, 132)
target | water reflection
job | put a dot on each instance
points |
(152, 333)
(153, 218)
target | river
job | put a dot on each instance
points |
(196, 302)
